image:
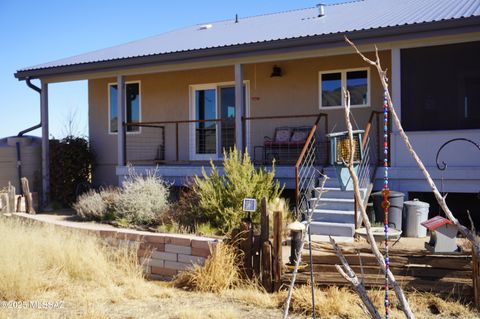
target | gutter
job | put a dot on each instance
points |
(21, 133)
(444, 27)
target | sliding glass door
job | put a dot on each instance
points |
(214, 115)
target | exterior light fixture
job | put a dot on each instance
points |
(276, 71)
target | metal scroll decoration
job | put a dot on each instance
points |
(444, 165)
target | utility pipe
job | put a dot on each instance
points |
(21, 133)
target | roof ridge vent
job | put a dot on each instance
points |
(205, 27)
(321, 9)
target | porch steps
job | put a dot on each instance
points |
(334, 214)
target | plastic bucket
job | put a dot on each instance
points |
(394, 211)
(416, 212)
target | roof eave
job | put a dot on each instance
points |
(471, 24)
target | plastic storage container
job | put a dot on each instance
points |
(415, 213)
(394, 211)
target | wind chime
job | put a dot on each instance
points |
(386, 192)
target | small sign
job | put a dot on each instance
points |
(249, 204)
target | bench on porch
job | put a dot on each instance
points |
(285, 146)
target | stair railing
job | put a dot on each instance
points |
(306, 172)
(371, 159)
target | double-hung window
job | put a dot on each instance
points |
(332, 84)
(132, 106)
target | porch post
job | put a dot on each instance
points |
(120, 120)
(239, 107)
(45, 145)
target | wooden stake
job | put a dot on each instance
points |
(246, 236)
(267, 266)
(277, 250)
(264, 222)
(28, 197)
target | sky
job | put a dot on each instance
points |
(35, 32)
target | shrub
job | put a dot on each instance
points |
(220, 196)
(97, 206)
(70, 164)
(143, 199)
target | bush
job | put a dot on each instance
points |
(220, 196)
(143, 199)
(70, 164)
(99, 206)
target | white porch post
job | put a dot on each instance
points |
(120, 120)
(396, 83)
(239, 107)
(45, 144)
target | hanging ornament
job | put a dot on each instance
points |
(386, 193)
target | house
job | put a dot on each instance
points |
(179, 98)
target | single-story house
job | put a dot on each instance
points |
(178, 99)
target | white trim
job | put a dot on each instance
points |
(191, 136)
(139, 106)
(343, 79)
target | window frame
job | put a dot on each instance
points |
(343, 79)
(139, 107)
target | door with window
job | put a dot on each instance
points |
(213, 110)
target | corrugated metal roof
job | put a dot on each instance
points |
(338, 18)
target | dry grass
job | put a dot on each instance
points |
(41, 262)
(214, 313)
(220, 272)
(334, 302)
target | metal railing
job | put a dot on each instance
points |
(306, 170)
(371, 143)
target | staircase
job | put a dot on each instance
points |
(334, 214)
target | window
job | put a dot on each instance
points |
(132, 112)
(441, 87)
(355, 81)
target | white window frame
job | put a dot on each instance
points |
(206, 86)
(139, 107)
(343, 78)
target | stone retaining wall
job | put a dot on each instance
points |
(162, 255)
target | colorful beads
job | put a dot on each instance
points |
(386, 193)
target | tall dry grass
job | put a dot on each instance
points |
(43, 262)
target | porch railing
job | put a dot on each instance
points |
(371, 143)
(307, 162)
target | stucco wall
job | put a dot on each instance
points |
(165, 96)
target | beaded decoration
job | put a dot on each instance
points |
(386, 192)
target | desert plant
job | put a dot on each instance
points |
(143, 199)
(99, 206)
(220, 195)
(220, 272)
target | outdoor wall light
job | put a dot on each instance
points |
(276, 71)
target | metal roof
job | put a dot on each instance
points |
(296, 24)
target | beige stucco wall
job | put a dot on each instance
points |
(165, 96)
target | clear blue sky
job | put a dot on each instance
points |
(34, 32)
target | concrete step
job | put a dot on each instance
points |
(336, 192)
(334, 203)
(332, 229)
(334, 216)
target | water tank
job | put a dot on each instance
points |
(31, 159)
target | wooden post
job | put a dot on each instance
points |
(277, 250)
(256, 255)
(264, 222)
(267, 266)
(246, 246)
(476, 278)
(28, 196)
(11, 198)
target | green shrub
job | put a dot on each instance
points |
(220, 196)
(143, 199)
(70, 164)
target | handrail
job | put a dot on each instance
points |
(369, 126)
(304, 151)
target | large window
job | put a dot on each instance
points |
(132, 104)
(441, 87)
(332, 84)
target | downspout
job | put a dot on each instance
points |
(21, 133)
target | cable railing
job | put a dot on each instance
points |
(306, 166)
(371, 158)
